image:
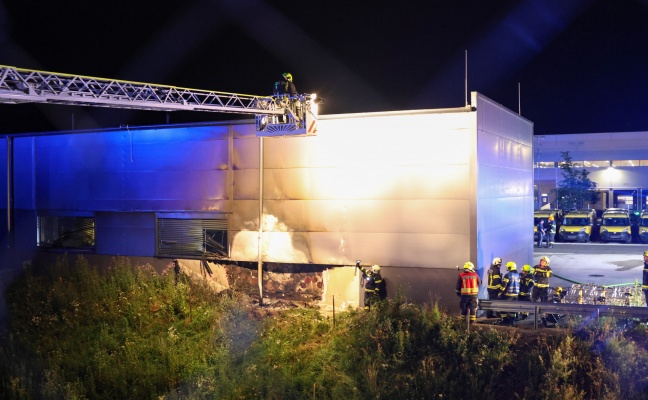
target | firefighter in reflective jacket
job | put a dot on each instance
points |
(373, 285)
(510, 290)
(541, 274)
(494, 283)
(467, 289)
(526, 286)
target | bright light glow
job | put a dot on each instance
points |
(611, 174)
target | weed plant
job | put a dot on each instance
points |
(131, 333)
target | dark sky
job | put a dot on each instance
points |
(580, 64)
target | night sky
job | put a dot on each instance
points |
(580, 65)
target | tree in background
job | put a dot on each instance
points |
(576, 189)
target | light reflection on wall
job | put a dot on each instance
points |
(378, 188)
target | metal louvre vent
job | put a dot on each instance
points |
(192, 238)
(66, 232)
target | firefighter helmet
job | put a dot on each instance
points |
(497, 261)
(375, 269)
(468, 266)
(645, 253)
(551, 218)
(287, 76)
(526, 268)
(511, 266)
(546, 259)
(559, 289)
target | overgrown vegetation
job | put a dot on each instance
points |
(131, 333)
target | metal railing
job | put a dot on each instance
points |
(591, 310)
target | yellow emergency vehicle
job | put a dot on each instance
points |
(577, 226)
(615, 226)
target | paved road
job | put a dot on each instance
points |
(597, 263)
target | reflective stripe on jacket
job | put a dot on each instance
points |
(468, 284)
(526, 284)
(494, 278)
(511, 284)
(541, 276)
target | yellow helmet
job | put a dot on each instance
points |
(468, 266)
(645, 253)
(287, 76)
(511, 266)
(551, 218)
(526, 268)
(559, 289)
(375, 268)
(497, 261)
(546, 260)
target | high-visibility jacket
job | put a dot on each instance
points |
(541, 276)
(645, 277)
(511, 284)
(468, 284)
(494, 278)
(526, 284)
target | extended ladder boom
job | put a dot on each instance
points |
(274, 116)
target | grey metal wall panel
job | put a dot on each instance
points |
(374, 188)
(122, 170)
(427, 139)
(246, 153)
(435, 216)
(368, 182)
(504, 195)
(125, 234)
(246, 184)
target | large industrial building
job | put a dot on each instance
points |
(416, 192)
(617, 162)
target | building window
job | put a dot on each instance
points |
(192, 238)
(596, 164)
(643, 163)
(625, 163)
(545, 164)
(66, 232)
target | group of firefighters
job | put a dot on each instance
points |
(530, 285)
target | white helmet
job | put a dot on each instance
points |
(497, 261)
(375, 269)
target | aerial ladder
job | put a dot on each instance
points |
(274, 115)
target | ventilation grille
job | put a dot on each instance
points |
(192, 238)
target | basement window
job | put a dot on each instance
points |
(62, 232)
(192, 238)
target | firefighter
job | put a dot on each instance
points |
(373, 284)
(551, 232)
(285, 85)
(541, 274)
(645, 276)
(526, 286)
(510, 291)
(467, 289)
(494, 283)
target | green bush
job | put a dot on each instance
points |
(131, 333)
